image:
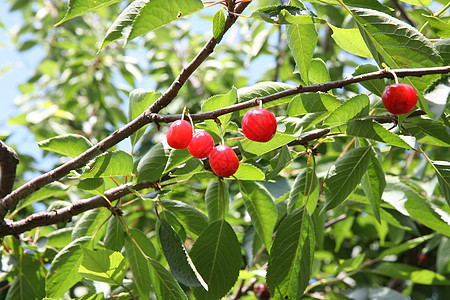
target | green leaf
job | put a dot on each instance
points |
(291, 256)
(284, 14)
(443, 256)
(89, 223)
(218, 25)
(100, 296)
(372, 4)
(69, 144)
(179, 260)
(139, 266)
(262, 89)
(375, 131)
(279, 162)
(114, 238)
(345, 174)
(164, 284)
(80, 7)
(176, 158)
(304, 190)
(437, 96)
(443, 47)
(248, 172)
(443, 174)
(217, 256)
(408, 245)
(217, 102)
(103, 265)
(373, 184)
(252, 148)
(115, 163)
(261, 208)
(318, 72)
(217, 200)
(94, 186)
(140, 100)
(397, 44)
(412, 273)
(312, 103)
(63, 272)
(353, 108)
(302, 40)
(153, 164)
(442, 28)
(376, 86)
(194, 219)
(423, 3)
(143, 16)
(428, 131)
(59, 238)
(20, 289)
(52, 189)
(350, 40)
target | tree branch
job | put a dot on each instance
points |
(8, 165)
(403, 13)
(148, 116)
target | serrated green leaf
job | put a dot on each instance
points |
(20, 289)
(355, 107)
(94, 186)
(262, 89)
(428, 131)
(114, 238)
(217, 102)
(443, 174)
(283, 159)
(442, 28)
(373, 184)
(176, 158)
(375, 131)
(291, 256)
(103, 265)
(408, 245)
(139, 265)
(312, 103)
(350, 40)
(217, 200)
(443, 47)
(285, 14)
(143, 16)
(412, 273)
(179, 260)
(52, 189)
(69, 144)
(437, 96)
(140, 100)
(153, 164)
(59, 238)
(115, 163)
(304, 190)
(164, 284)
(345, 174)
(372, 4)
(397, 44)
(261, 208)
(248, 172)
(302, 40)
(194, 219)
(63, 272)
(257, 148)
(376, 86)
(218, 25)
(318, 72)
(89, 223)
(80, 7)
(217, 256)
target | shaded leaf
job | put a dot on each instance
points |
(217, 200)
(89, 223)
(114, 238)
(376, 86)
(20, 289)
(291, 256)
(408, 272)
(94, 186)
(373, 184)
(164, 284)
(312, 103)
(345, 174)
(217, 256)
(285, 14)
(194, 219)
(437, 96)
(153, 164)
(304, 190)
(261, 208)
(443, 174)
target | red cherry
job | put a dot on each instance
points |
(223, 161)
(180, 134)
(422, 258)
(259, 125)
(399, 98)
(201, 144)
(261, 291)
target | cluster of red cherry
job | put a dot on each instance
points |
(258, 124)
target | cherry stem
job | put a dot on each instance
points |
(388, 70)
(192, 122)
(220, 129)
(184, 112)
(260, 103)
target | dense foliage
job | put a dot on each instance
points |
(346, 201)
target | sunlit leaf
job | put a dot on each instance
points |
(69, 145)
(217, 200)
